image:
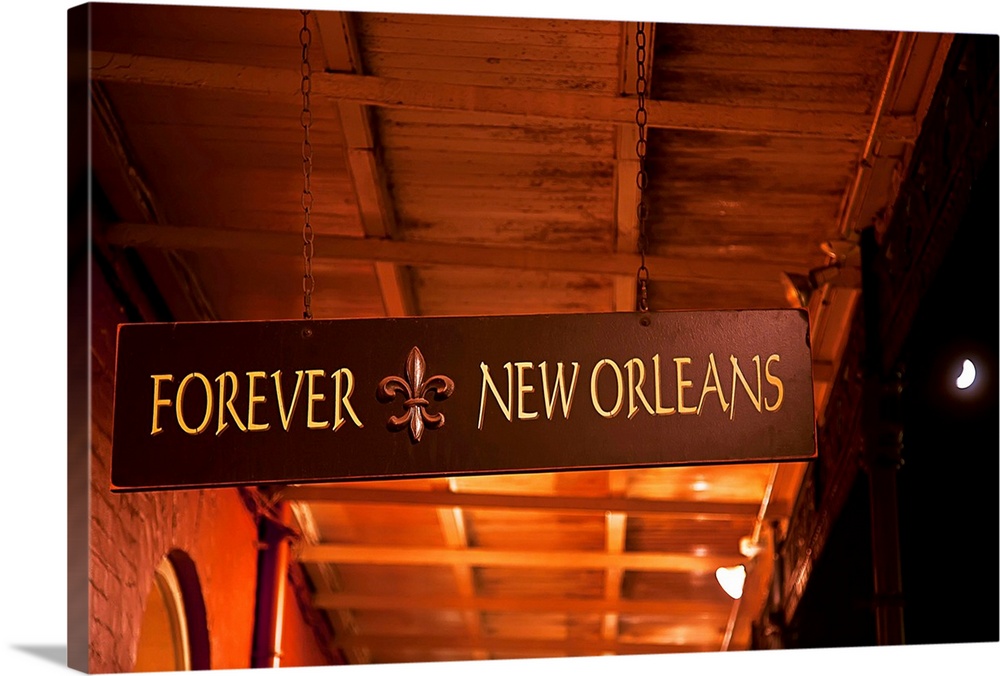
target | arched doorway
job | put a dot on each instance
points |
(173, 635)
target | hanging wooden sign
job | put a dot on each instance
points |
(231, 403)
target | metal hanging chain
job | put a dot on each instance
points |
(641, 179)
(308, 282)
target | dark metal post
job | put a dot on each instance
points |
(883, 438)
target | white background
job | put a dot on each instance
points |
(33, 343)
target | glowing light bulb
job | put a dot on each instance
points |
(968, 375)
(731, 580)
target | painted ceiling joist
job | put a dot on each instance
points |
(521, 645)
(690, 263)
(452, 523)
(526, 604)
(548, 503)
(519, 103)
(371, 190)
(575, 559)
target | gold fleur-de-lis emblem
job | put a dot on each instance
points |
(416, 396)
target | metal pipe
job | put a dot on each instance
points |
(272, 584)
(755, 538)
(765, 501)
(865, 165)
(882, 456)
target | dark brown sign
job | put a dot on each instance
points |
(227, 403)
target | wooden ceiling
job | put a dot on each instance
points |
(469, 166)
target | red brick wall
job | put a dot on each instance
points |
(131, 533)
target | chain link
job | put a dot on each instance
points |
(642, 178)
(305, 119)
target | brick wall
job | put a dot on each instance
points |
(131, 533)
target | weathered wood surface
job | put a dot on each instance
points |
(493, 175)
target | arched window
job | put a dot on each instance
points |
(173, 635)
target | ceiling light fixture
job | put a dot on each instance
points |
(750, 546)
(731, 580)
(800, 288)
(836, 271)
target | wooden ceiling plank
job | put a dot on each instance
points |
(461, 47)
(572, 559)
(485, 70)
(528, 33)
(676, 266)
(432, 23)
(187, 287)
(682, 509)
(626, 199)
(371, 189)
(523, 104)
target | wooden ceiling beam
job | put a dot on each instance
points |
(614, 544)
(615, 538)
(376, 207)
(668, 607)
(510, 558)
(130, 193)
(522, 104)
(325, 577)
(452, 522)
(526, 646)
(682, 509)
(683, 264)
